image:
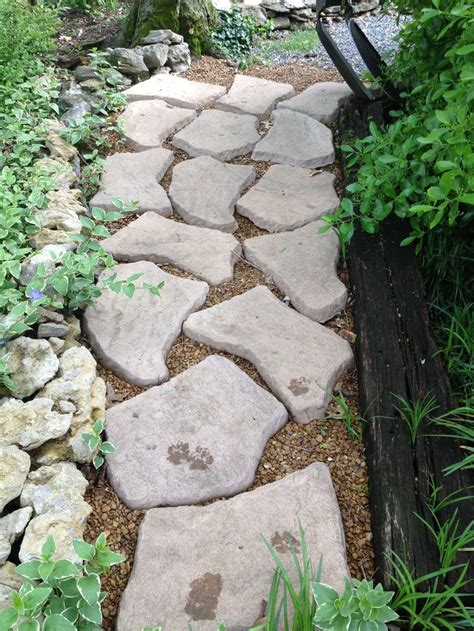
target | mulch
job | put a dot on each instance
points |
(295, 446)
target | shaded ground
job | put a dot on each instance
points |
(292, 448)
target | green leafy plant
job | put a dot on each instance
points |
(98, 446)
(460, 425)
(354, 424)
(61, 595)
(362, 607)
(235, 33)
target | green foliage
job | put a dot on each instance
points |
(25, 35)
(413, 414)
(301, 40)
(421, 166)
(362, 607)
(235, 33)
(61, 595)
(84, 6)
(459, 424)
(354, 424)
(95, 443)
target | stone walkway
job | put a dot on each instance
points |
(200, 435)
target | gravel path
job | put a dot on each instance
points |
(380, 29)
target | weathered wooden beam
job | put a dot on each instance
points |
(396, 354)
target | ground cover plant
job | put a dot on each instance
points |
(235, 33)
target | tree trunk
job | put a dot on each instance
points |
(191, 18)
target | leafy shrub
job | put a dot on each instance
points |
(25, 34)
(235, 33)
(61, 595)
(95, 443)
(421, 166)
(362, 607)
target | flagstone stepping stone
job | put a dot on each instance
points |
(132, 336)
(321, 101)
(302, 264)
(299, 359)
(288, 197)
(135, 176)
(216, 561)
(176, 91)
(204, 191)
(208, 254)
(148, 124)
(223, 135)
(297, 140)
(194, 438)
(250, 95)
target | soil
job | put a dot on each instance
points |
(292, 448)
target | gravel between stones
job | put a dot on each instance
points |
(295, 446)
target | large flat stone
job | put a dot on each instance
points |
(132, 336)
(176, 91)
(299, 359)
(204, 191)
(251, 95)
(296, 140)
(148, 124)
(288, 197)
(223, 135)
(320, 101)
(303, 264)
(135, 176)
(208, 254)
(198, 437)
(216, 561)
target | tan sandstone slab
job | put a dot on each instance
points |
(208, 254)
(223, 135)
(299, 359)
(296, 140)
(176, 91)
(216, 561)
(197, 437)
(251, 95)
(289, 197)
(302, 264)
(132, 336)
(135, 177)
(148, 124)
(204, 191)
(320, 101)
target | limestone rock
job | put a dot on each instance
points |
(74, 333)
(164, 36)
(85, 73)
(57, 488)
(204, 191)
(46, 236)
(154, 55)
(321, 101)
(31, 364)
(280, 23)
(14, 467)
(9, 581)
(179, 57)
(52, 329)
(132, 336)
(60, 172)
(49, 256)
(251, 95)
(66, 200)
(56, 344)
(299, 359)
(59, 219)
(195, 438)
(57, 145)
(288, 197)
(296, 140)
(216, 561)
(176, 91)
(147, 124)
(303, 265)
(128, 61)
(64, 528)
(135, 176)
(11, 527)
(208, 254)
(79, 384)
(31, 424)
(223, 135)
